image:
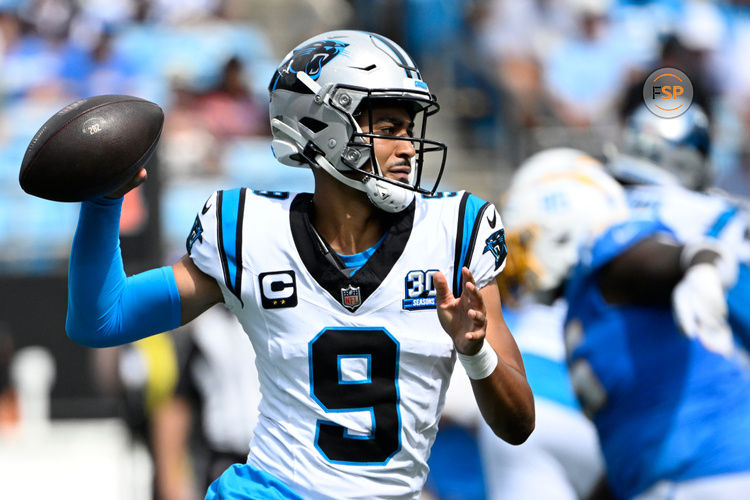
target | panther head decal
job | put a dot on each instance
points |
(309, 59)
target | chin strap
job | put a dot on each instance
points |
(383, 195)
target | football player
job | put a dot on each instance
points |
(666, 169)
(670, 409)
(346, 294)
(561, 460)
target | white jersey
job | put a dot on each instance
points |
(353, 370)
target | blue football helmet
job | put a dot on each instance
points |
(665, 150)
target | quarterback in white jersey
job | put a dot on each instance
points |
(357, 298)
(353, 369)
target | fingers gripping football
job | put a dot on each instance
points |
(138, 179)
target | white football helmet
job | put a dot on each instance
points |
(319, 89)
(558, 200)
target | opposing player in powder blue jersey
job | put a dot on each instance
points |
(561, 460)
(671, 414)
(357, 298)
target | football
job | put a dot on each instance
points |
(91, 147)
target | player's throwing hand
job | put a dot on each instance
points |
(138, 179)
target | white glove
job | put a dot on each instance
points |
(700, 308)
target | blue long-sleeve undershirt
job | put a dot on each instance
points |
(106, 308)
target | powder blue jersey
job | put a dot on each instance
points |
(537, 329)
(663, 405)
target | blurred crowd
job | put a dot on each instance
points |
(513, 77)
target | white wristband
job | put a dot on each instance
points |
(481, 364)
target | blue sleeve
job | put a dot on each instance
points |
(106, 308)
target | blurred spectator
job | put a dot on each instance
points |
(10, 31)
(31, 62)
(51, 19)
(585, 73)
(187, 148)
(731, 152)
(514, 36)
(673, 54)
(100, 69)
(229, 109)
(93, 15)
(184, 11)
(559, 67)
(200, 125)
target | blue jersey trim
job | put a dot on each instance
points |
(357, 260)
(470, 213)
(721, 222)
(243, 481)
(230, 209)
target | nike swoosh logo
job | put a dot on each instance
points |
(493, 220)
(208, 205)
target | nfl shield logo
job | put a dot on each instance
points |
(350, 297)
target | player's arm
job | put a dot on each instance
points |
(198, 291)
(647, 272)
(488, 352)
(693, 278)
(105, 307)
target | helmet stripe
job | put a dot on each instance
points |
(404, 61)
